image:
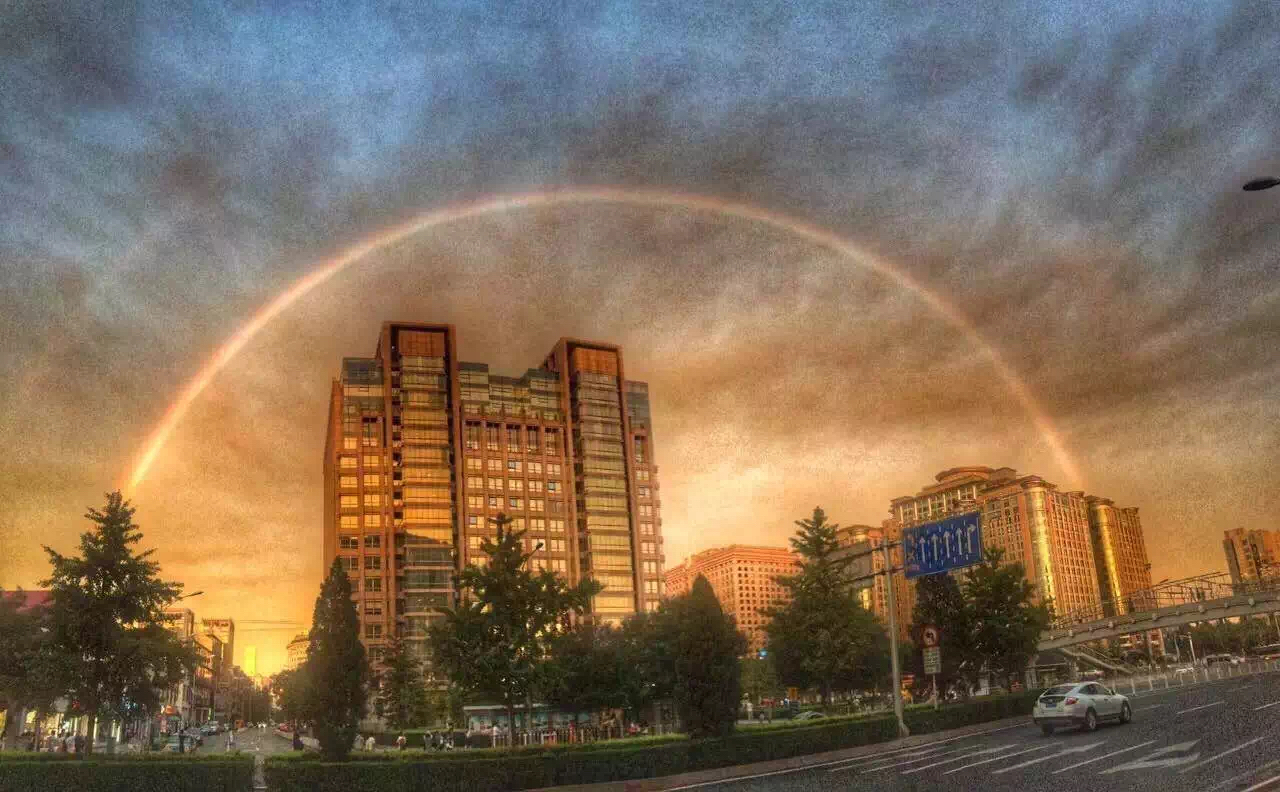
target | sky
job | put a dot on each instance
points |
(1066, 175)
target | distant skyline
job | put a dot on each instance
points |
(1067, 176)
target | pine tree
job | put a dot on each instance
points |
(402, 691)
(705, 651)
(107, 624)
(336, 670)
(822, 637)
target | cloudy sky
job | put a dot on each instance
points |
(1066, 176)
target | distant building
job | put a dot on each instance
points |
(250, 660)
(297, 651)
(225, 629)
(1251, 554)
(1120, 556)
(743, 578)
(858, 539)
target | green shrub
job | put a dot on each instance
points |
(538, 766)
(128, 774)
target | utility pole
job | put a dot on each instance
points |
(891, 604)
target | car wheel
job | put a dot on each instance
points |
(1126, 714)
(1047, 729)
(1091, 720)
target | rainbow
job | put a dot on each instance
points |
(605, 195)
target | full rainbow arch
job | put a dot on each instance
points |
(577, 195)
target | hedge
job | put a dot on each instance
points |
(128, 773)
(531, 768)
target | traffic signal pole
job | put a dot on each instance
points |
(892, 607)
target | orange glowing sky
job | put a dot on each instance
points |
(1041, 258)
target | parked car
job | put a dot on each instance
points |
(1082, 704)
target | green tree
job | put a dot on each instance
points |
(705, 647)
(336, 669)
(292, 694)
(1007, 620)
(822, 637)
(494, 642)
(941, 603)
(27, 669)
(402, 691)
(585, 670)
(106, 621)
(760, 679)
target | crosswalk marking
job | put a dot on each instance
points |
(1105, 756)
(1239, 747)
(1064, 752)
(1159, 758)
(1202, 706)
(997, 759)
(899, 761)
(1264, 706)
(997, 749)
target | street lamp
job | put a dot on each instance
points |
(1265, 183)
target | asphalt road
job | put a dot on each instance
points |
(250, 741)
(1223, 736)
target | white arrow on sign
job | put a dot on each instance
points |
(1152, 759)
(1038, 759)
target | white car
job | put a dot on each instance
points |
(1083, 704)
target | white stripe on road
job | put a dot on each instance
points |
(1151, 707)
(1106, 756)
(1064, 752)
(997, 759)
(835, 762)
(1264, 706)
(1239, 747)
(1227, 782)
(1262, 784)
(1202, 706)
(970, 755)
(897, 761)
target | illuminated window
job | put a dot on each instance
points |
(475, 463)
(348, 482)
(495, 483)
(349, 522)
(651, 567)
(553, 468)
(349, 501)
(347, 462)
(536, 504)
(515, 503)
(373, 499)
(350, 444)
(475, 482)
(495, 464)
(515, 485)
(495, 502)
(555, 526)
(646, 529)
(373, 521)
(513, 466)
(648, 548)
(372, 460)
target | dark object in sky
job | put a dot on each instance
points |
(1261, 184)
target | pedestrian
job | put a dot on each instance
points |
(297, 741)
(369, 743)
(400, 742)
(78, 743)
(231, 740)
(426, 741)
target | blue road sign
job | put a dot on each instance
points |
(942, 546)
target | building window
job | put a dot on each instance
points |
(349, 501)
(531, 438)
(348, 543)
(475, 463)
(537, 524)
(373, 631)
(646, 510)
(347, 462)
(553, 442)
(495, 502)
(651, 587)
(372, 563)
(373, 521)
(372, 499)
(555, 526)
(642, 475)
(555, 545)
(350, 563)
(535, 467)
(515, 485)
(372, 480)
(513, 466)
(552, 486)
(515, 503)
(513, 438)
(373, 541)
(648, 548)
(646, 529)
(350, 444)
(641, 453)
(373, 609)
(348, 482)
(553, 468)
(475, 482)
(349, 522)
(651, 567)
(645, 492)
(373, 584)
(473, 437)
(535, 485)
(495, 483)
(372, 460)
(475, 501)
(491, 436)
(558, 565)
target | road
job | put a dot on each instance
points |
(250, 741)
(1223, 736)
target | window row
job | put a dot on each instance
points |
(348, 542)
(513, 485)
(497, 502)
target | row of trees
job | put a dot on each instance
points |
(102, 642)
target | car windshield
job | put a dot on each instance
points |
(664, 374)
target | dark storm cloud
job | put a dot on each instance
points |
(1066, 175)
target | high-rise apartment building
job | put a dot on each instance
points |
(1120, 556)
(858, 539)
(1077, 550)
(423, 451)
(225, 629)
(1251, 554)
(296, 652)
(744, 579)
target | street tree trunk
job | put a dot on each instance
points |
(88, 738)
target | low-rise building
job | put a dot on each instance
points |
(744, 579)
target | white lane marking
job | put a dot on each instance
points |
(1239, 747)
(1202, 706)
(898, 761)
(1264, 706)
(1226, 782)
(1151, 707)
(805, 768)
(997, 759)
(1106, 756)
(1059, 754)
(1262, 784)
(1155, 758)
(970, 755)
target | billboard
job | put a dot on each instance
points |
(941, 546)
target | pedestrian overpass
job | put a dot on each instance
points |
(1166, 604)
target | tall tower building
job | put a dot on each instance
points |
(423, 451)
(225, 629)
(1120, 556)
(1252, 554)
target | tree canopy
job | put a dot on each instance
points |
(402, 690)
(106, 621)
(705, 647)
(336, 671)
